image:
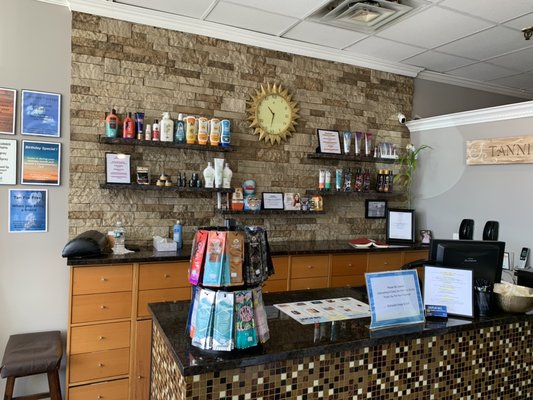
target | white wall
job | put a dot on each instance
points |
(34, 279)
(434, 98)
(446, 190)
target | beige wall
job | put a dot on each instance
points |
(35, 54)
(142, 68)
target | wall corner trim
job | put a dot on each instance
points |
(491, 114)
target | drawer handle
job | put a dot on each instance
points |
(101, 338)
(99, 397)
(385, 263)
(310, 266)
(100, 365)
(139, 377)
(103, 279)
(349, 265)
(103, 307)
(166, 276)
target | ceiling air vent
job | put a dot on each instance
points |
(363, 15)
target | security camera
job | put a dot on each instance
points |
(528, 32)
(401, 118)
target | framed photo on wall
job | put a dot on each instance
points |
(41, 163)
(8, 104)
(329, 142)
(375, 209)
(40, 113)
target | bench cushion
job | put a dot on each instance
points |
(32, 353)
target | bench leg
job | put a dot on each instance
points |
(10, 385)
(53, 383)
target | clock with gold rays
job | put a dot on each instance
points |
(272, 113)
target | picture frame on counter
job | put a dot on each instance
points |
(375, 209)
(41, 163)
(400, 226)
(40, 113)
(8, 162)
(8, 106)
(28, 210)
(329, 141)
(117, 168)
(272, 201)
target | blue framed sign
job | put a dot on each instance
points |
(394, 298)
(40, 113)
(28, 210)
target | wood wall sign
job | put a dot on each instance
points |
(507, 150)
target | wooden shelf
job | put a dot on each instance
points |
(158, 143)
(352, 193)
(268, 212)
(350, 157)
(135, 186)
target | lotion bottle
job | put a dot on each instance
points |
(178, 234)
(167, 128)
(227, 173)
(209, 176)
(111, 124)
(155, 130)
(179, 136)
(128, 131)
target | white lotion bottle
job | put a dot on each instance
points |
(167, 128)
(209, 176)
(227, 173)
(219, 167)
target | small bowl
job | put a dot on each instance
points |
(513, 304)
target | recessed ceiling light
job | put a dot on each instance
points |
(364, 15)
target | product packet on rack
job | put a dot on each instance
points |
(197, 256)
(235, 254)
(214, 259)
(245, 335)
(223, 322)
(260, 315)
(193, 309)
(203, 333)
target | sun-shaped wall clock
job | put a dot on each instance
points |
(273, 113)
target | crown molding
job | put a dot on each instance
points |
(469, 83)
(180, 23)
(491, 114)
(63, 3)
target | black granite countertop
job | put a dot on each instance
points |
(277, 249)
(289, 339)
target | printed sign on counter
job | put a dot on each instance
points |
(449, 287)
(394, 298)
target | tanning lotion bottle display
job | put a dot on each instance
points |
(111, 124)
(155, 130)
(190, 131)
(209, 176)
(179, 136)
(226, 177)
(203, 127)
(128, 131)
(167, 128)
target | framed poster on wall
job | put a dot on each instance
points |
(8, 162)
(41, 163)
(28, 210)
(8, 104)
(40, 113)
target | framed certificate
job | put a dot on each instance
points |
(329, 142)
(117, 168)
(272, 201)
(400, 226)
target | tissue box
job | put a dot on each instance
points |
(164, 244)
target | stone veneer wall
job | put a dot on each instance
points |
(141, 68)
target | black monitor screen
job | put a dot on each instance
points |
(485, 257)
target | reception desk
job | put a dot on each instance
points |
(486, 358)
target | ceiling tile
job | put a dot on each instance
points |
(433, 27)
(383, 48)
(497, 11)
(323, 35)
(521, 22)
(520, 60)
(250, 18)
(521, 81)
(489, 43)
(195, 9)
(292, 8)
(482, 72)
(438, 62)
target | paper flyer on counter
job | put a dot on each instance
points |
(326, 310)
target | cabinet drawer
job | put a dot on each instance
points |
(113, 390)
(352, 280)
(157, 296)
(348, 264)
(275, 286)
(87, 339)
(281, 268)
(384, 261)
(309, 283)
(102, 364)
(163, 275)
(308, 267)
(410, 256)
(87, 280)
(101, 307)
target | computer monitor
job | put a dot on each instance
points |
(485, 258)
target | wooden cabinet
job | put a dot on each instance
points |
(348, 269)
(142, 360)
(278, 281)
(112, 390)
(309, 272)
(385, 261)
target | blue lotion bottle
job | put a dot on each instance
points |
(179, 136)
(178, 234)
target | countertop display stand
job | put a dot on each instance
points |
(228, 267)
